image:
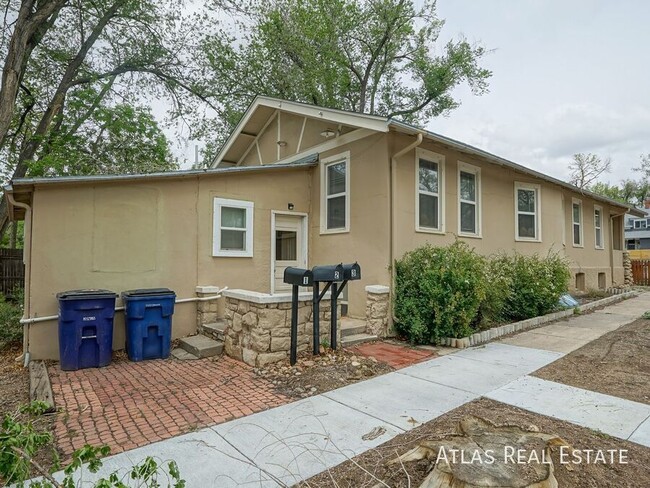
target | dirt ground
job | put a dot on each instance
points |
(617, 364)
(14, 393)
(371, 468)
(312, 375)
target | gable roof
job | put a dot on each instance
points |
(264, 108)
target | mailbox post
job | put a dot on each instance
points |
(351, 272)
(296, 277)
(331, 274)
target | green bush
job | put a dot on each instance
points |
(438, 292)
(11, 312)
(534, 286)
(452, 291)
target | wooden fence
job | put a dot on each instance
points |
(12, 270)
(641, 271)
(639, 253)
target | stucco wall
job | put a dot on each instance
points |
(498, 215)
(368, 238)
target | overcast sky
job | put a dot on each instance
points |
(568, 76)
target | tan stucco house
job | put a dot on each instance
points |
(298, 185)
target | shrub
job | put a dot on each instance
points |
(438, 292)
(10, 314)
(535, 284)
(499, 282)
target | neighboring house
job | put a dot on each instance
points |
(637, 228)
(299, 185)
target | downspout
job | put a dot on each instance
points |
(27, 260)
(392, 191)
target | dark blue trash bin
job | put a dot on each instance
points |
(148, 317)
(85, 328)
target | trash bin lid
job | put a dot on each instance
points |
(85, 294)
(145, 292)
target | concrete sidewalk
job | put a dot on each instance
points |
(293, 442)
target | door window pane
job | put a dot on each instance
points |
(233, 240)
(336, 178)
(286, 245)
(428, 211)
(468, 218)
(428, 176)
(468, 186)
(526, 225)
(526, 200)
(336, 212)
(233, 217)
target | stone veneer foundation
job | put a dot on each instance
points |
(377, 310)
(258, 325)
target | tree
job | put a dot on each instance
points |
(66, 61)
(378, 57)
(587, 168)
(115, 140)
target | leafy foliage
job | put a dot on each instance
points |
(535, 284)
(452, 291)
(438, 292)
(19, 442)
(11, 312)
(379, 57)
(115, 140)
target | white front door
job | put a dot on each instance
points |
(289, 247)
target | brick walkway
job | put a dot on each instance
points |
(394, 355)
(127, 404)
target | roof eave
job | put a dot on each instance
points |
(466, 148)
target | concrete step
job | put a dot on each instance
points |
(354, 339)
(214, 330)
(182, 354)
(201, 346)
(351, 327)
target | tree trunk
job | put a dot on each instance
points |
(14, 232)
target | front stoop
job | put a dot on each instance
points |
(215, 330)
(201, 346)
(353, 332)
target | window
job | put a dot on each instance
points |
(640, 224)
(233, 228)
(527, 210)
(430, 185)
(598, 227)
(469, 193)
(576, 219)
(335, 190)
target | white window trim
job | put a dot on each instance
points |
(440, 160)
(324, 163)
(216, 229)
(598, 208)
(577, 201)
(476, 171)
(639, 221)
(538, 211)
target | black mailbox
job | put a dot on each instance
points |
(351, 272)
(328, 273)
(298, 276)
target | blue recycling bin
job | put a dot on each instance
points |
(148, 317)
(85, 328)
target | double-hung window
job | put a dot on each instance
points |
(576, 219)
(233, 228)
(469, 193)
(598, 227)
(430, 188)
(527, 212)
(335, 192)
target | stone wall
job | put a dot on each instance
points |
(258, 326)
(207, 312)
(627, 269)
(377, 310)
